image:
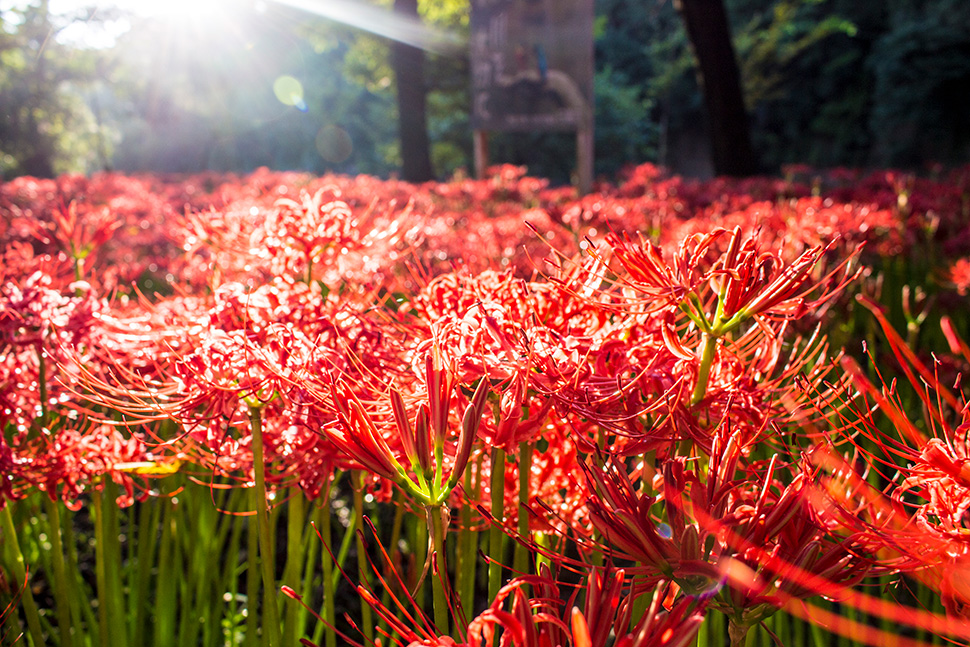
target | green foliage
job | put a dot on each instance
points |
(214, 107)
(827, 83)
(772, 40)
(801, 62)
(922, 86)
(46, 126)
(624, 128)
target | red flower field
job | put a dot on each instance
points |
(278, 408)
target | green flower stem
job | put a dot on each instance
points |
(641, 604)
(65, 623)
(311, 552)
(396, 526)
(267, 561)
(419, 533)
(19, 568)
(324, 515)
(116, 585)
(781, 626)
(366, 616)
(496, 538)
(648, 469)
(344, 550)
(545, 541)
(328, 612)
(78, 610)
(703, 637)
(230, 573)
(101, 572)
(252, 580)
(224, 548)
(468, 546)
(149, 518)
(295, 520)
(819, 637)
(520, 558)
(439, 575)
(704, 372)
(738, 632)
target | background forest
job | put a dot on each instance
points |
(827, 83)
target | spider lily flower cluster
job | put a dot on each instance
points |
(624, 419)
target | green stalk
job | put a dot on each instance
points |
(181, 565)
(738, 633)
(252, 581)
(112, 538)
(420, 547)
(62, 598)
(820, 638)
(703, 637)
(101, 571)
(83, 612)
(781, 626)
(223, 548)
(641, 604)
(167, 575)
(230, 574)
(520, 559)
(718, 630)
(19, 568)
(366, 616)
(296, 516)
(848, 612)
(201, 546)
(149, 514)
(267, 561)
(311, 552)
(468, 551)
(329, 585)
(344, 550)
(704, 372)
(394, 551)
(495, 535)
(439, 578)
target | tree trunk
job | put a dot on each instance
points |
(408, 64)
(710, 36)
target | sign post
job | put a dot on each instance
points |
(532, 70)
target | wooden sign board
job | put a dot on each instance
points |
(532, 68)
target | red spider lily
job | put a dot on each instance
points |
(80, 236)
(11, 468)
(922, 514)
(360, 436)
(70, 462)
(714, 349)
(959, 275)
(663, 284)
(547, 621)
(744, 282)
(762, 520)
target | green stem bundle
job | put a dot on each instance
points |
(18, 567)
(267, 561)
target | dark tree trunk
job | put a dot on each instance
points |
(710, 36)
(408, 64)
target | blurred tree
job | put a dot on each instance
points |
(262, 88)
(408, 64)
(804, 72)
(45, 125)
(706, 22)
